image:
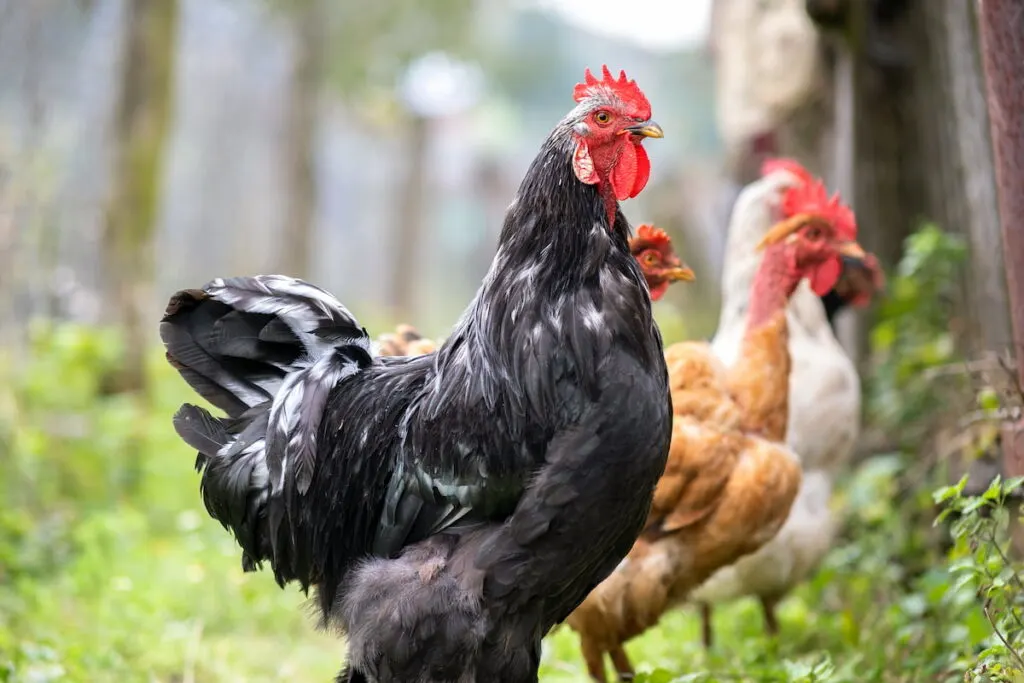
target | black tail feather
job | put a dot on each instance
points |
(266, 350)
(200, 430)
(189, 331)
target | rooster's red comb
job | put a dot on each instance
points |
(809, 196)
(622, 88)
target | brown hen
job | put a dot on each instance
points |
(730, 480)
(404, 341)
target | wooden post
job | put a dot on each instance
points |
(1001, 23)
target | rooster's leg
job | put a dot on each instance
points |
(771, 622)
(707, 630)
(621, 663)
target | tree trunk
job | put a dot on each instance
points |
(921, 144)
(912, 131)
(888, 175)
(142, 121)
(411, 215)
(987, 293)
(300, 218)
(142, 118)
(1002, 31)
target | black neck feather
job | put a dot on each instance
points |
(557, 228)
(555, 242)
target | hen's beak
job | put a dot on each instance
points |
(868, 267)
(852, 250)
(680, 274)
(648, 130)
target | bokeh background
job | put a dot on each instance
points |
(151, 145)
(370, 149)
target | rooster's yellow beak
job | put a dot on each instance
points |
(648, 130)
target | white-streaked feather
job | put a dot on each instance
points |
(298, 404)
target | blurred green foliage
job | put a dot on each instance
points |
(365, 47)
(864, 617)
(914, 334)
(103, 578)
(982, 563)
(105, 581)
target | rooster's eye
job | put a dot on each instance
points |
(650, 259)
(813, 233)
(603, 117)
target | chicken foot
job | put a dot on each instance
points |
(594, 658)
(707, 630)
(771, 622)
(621, 663)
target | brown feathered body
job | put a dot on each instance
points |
(405, 341)
(727, 488)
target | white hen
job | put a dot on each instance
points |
(824, 412)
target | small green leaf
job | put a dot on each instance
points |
(964, 565)
(994, 489)
(974, 504)
(988, 400)
(656, 676)
(947, 492)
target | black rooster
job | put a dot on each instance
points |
(452, 507)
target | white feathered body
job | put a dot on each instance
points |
(824, 408)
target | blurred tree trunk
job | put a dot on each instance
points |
(913, 145)
(970, 196)
(1002, 32)
(920, 141)
(141, 126)
(19, 278)
(411, 214)
(491, 186)
(301, 127)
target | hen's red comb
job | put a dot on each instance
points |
(789, 165)
(656, 237)
(811, 196)
(622, 88)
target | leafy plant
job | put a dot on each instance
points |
(981, 561)
(914, 334)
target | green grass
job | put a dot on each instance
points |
(110, 569)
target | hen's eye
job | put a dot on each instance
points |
(650, 259)
(603, 117)
(813, 233)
